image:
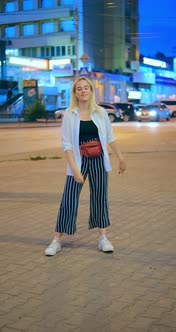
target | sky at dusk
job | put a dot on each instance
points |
(157, 27)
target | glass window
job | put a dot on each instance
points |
(73, 50)
(28, 4)
(58, 52)
(48, 27)
(12, 52)
(67, 25)
(29, 51)
(9, 7)
(23, 52)
(42, 52)
(47, 3)
(67, 2)
(10, 32)
(28, 29)
(52, 51)
(34, 52)
(68, 50)
(47, 51)
(63, 50)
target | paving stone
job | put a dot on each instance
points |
(82, 289)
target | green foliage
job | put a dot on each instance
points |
(36, 111)
(37, 158)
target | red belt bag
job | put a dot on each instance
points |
(91, 149)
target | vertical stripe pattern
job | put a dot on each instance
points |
(93, 168)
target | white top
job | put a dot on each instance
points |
(70, 135)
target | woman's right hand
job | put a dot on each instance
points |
(78, 177)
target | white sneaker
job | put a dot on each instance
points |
(53, 248)
(105, 245)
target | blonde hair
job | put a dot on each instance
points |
(92, 103)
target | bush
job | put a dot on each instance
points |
(36, 111)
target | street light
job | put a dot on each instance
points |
(3, 58)
(77, 38)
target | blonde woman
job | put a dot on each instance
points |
(86, 131)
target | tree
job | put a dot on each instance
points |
(36, 111)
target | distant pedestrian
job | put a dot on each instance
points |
(9, 95)
(86, 131)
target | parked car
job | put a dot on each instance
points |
(153, 112)
(171, 104)
(138, 108)
(60, 113)
(114, 112)
(128, 110)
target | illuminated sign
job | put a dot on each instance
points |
(147, 78)
(134, 94)
(58, 62)
(29, 83)
(29, 62)
(63, 70)
(154, 62)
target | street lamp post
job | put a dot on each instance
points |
(77, 36)
(3, 58)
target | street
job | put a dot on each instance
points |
(18, 141)
(81, 289)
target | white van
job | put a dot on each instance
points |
(171, 104)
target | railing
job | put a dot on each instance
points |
(14, 98)
(13, 111)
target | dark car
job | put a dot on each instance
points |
(60, 113)
(114, 112)
(127, 110)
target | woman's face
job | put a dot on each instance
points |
(83, 91)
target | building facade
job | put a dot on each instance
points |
(110, 34)
(54, 41)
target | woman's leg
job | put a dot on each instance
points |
(66, 220)
(102, 231)
(99, 212)
(98, 181)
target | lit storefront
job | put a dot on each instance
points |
(154, 80)
(57, 74)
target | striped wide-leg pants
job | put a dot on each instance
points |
(93, 168)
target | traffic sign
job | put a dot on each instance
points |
(84, 58)
(84, 71)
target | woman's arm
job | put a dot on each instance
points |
(71, 161)
(117, 152)
(68, 146)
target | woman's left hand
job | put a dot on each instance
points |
(122, 166)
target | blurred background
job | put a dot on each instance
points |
(126, 47)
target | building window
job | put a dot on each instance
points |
(23, 52)
(9, 7)
(28, 4)
(34, 52)
(10, 32)
(47, 51)
(47, 3)
(47, 27)
(52, 51)
(42, 52)
(69, 50)
(63, 50)
(58, 51)
(73, 50)
(28, 29)
(12, 52)
(67, 25)
(67, 2)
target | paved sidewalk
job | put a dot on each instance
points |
(82, 289)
